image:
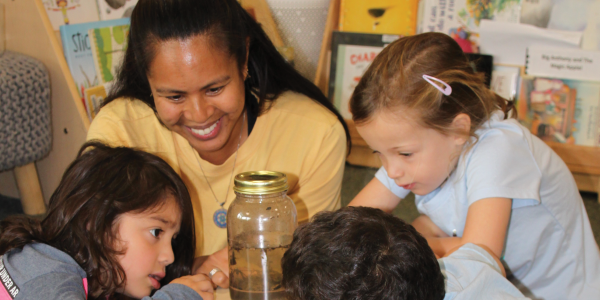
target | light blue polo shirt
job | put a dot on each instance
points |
(471, 273)
(550, 249)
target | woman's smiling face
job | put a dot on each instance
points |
(199, 93)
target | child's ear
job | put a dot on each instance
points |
(462, 126)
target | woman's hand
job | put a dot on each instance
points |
(199, 283)
(215, 266)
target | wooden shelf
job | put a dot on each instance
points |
(582, 161)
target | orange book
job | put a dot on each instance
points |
(379, 16)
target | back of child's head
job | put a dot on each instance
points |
(102, 184)
(395, 82)
(360, 253)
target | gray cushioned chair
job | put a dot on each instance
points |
(25, 124)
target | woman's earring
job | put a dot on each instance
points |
(246, 74)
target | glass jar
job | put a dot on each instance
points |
(260, 226)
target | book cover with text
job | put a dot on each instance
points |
(78, 52)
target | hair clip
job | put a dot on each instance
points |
(447, 89)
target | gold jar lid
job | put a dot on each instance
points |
(260, 183)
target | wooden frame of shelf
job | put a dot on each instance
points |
(582, 161)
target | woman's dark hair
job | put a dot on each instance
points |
(99, 186)
(230, 28)
(360, 253)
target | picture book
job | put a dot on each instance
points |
(560, 110)
(94, 97)
(379, 16)
(351, 55)
(108, 48)
(78, 53)
(65, 12)
(115, 9)
(460, 18)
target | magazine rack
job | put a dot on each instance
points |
(582, 161)
(28, 31)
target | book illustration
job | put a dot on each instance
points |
(94, 96)
(108, 46)
(352, 63)
(65, 12)
(115, 9)
(78, 52)
(461, 19)
(379, 16)
(560, 110)
(351, 55)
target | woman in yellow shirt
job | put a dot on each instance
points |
(203, 87)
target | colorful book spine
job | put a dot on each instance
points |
(78, 52)
(379, 16)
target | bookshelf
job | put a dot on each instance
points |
(28, 31)
(582, 161)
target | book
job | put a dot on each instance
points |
(65, 12)
(94, 96)
(108, 48)
(115, 9)
(351, 55)
(460, 18)
(379, 16)
(78, 53)
(563, 63)
(560, 110)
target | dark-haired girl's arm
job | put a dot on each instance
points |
(196, 287)
(57, 285)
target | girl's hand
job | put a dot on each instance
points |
(427, 228)
(199, 283)
(215, 267)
